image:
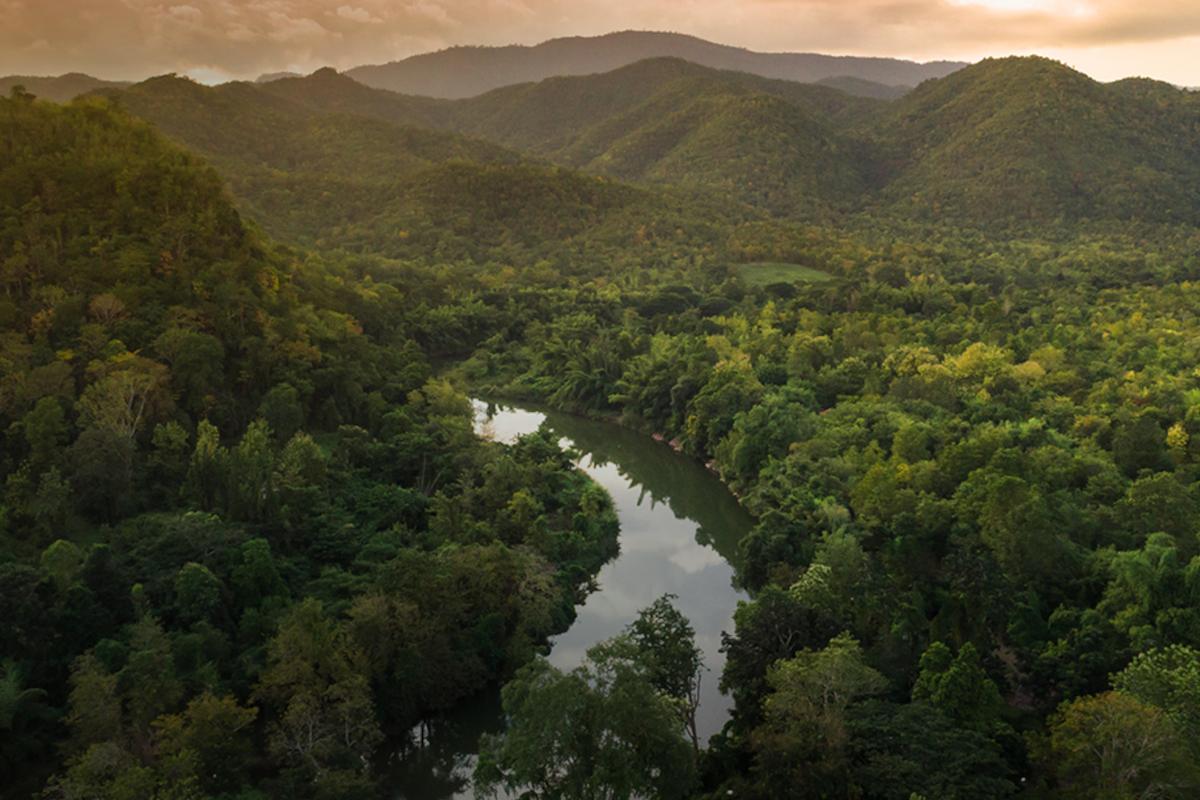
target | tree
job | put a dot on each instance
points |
(901, 750)
(667, 641)
(1114, 747)
(211, 728)
(128, 391)
(1168, 678)
(198, 593)
(602, 731)
(323, 730)
(327, 715)
(94, 707)
(800, 749)
(208, 473)
(958, 687)
(256, 578)
(775, 626)
(62, 562)
(148, 679)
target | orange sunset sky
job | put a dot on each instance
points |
(217, 40)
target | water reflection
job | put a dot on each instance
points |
(679, 532)
(436, 763)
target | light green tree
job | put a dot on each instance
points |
(602, 731)
(801, 745)
(1168, 678)
(1114, 747)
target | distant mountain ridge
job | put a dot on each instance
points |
(764, 141)
(60, 89)
(1007, 144)
(460, 72)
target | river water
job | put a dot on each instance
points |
(679, 532)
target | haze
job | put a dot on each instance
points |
(217, 40)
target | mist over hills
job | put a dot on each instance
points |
(459, 72)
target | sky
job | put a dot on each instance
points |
(219, 40)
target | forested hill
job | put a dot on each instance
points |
(228, 480)
(1008, 145)
(1023, 140)
(947, 359)
(467, 71)
(60, 89)
(366, 185)
(239, 124)
(769, 143)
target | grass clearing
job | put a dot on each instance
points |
(765, 273)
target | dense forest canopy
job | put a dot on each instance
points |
(243, 491)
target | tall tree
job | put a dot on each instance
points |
(602, 731)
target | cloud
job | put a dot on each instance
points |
(357, 15)
(241, 38)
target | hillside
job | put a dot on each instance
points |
(468, 71)
(865, 88)
(539, 116)
(60, 89)
(536, 116)
(327, 90)
(362, 184)
(170, 517)
(1004, 144)
(240, 126)
(660, 121)
(709, 135)
(1021, 140)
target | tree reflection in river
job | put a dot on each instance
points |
(680, 529)
(679, 532)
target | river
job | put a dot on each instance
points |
(679, 532)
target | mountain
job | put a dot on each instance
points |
(362, 184)
(459, 72)
(699, 132)
(767, 142)
(1007, 144)
(266, 77)
(328, 90)
(1028, 140)
(239, 126)
(865, 88)
(535, 115)
(60, 89)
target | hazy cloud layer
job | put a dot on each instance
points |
(215, 39)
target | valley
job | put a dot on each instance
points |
(940, 345)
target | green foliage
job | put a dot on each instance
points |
(250, 425)
(774, 627)
(958, 687)
(764, 274)
(602, 730)
(800, 748)
(667, 643)
(230, 472)
(900, 751)
(1168, 679)
(1113, 746)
